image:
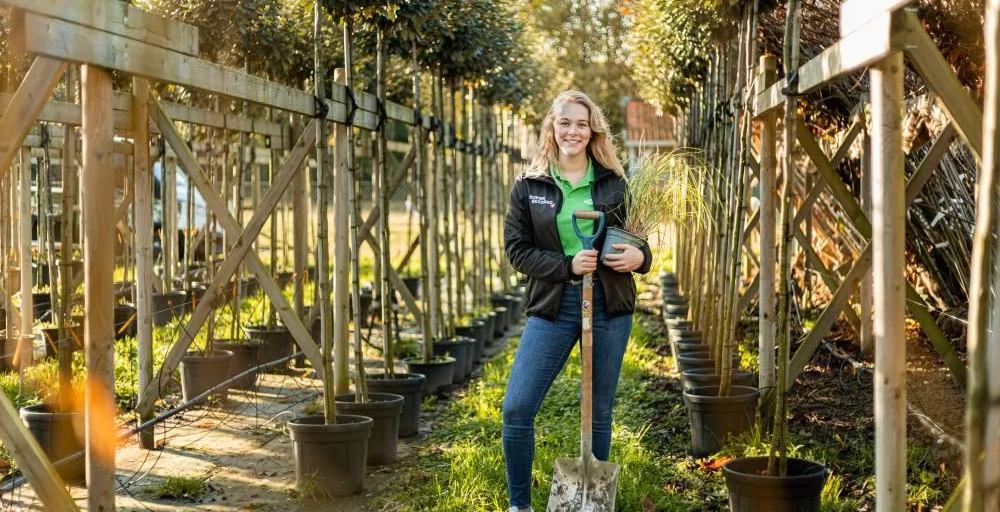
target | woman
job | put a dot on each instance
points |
(575, 168)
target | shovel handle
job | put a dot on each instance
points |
(588, 240)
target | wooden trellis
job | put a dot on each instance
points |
(104, 35)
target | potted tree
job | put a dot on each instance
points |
(777, 482)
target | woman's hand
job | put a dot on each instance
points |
(585, 261)
(628, 260)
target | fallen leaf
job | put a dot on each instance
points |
(715, 464)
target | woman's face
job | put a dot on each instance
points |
(572, 128)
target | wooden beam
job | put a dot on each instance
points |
(865, 46)
(240, 250)
(856, 13)
(889, 276)
(837, 186)
(951, 95)
(825, 274)
(930, 162)
(143, 211)
(748, 295)
(121, 19)
(808, 343)
(32, 462)
(28, 101)
(99, 297)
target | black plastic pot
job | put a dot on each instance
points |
(56, 433)
(384, 410)
(675, 310)
(490, 319)
(284, 278)
(168, 306)
(707, 377)
(500, 325)
(438, 372)
(246, 355)
(199, 373)
(330, 459)
(682, 334)
(461, 350)
(699, 359)
(680, 323)
(410, 386)
(275, 343)
(517, 309)
(478, 334)
(714, 418)
(751, 490)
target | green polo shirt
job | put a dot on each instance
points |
(575, 197)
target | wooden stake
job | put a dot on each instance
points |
(768, 194)
(98, 247)
(888, 193)
(24, 350)
(341, 254)
(866, 334)
(143, 210)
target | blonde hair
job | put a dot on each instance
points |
(600, 145)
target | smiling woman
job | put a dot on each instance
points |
(575, 169)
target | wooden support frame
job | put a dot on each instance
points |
(914, 304)
(26, 104)
(930, 64)
(240, 251)
(863, 47)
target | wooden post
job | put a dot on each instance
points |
(982, 452)
(143, 210)
(768, 241)
(24, 349)
(98, 247)
(168, 233)
(341, 254)
(888, 193)
(867, 337)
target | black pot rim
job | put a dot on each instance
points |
(376, 401)
(705, 372)
(738, 469)
(437, 360)
(45, 409)
(397, 376)
(216, 355)
(315, 424)
(709, 394)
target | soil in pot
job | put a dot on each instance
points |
(410, 386)
(276, 343)
(245, 357)
(56, 433)
(460, 349)
(714, 418)
(751, 490)
(707, 377)
(384, 409)
(199, 373)
(330, 459)
(438, 372)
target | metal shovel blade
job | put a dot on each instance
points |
(583, 484)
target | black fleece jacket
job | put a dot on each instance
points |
(532, 243)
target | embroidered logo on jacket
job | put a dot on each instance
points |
(541, 200)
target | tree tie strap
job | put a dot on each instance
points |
(321, 110)
(382, 116)
(353, 107)
(791, 88)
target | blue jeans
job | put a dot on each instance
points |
(544, 348)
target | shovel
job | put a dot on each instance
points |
(585, 484)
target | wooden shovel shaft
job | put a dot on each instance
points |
(587, 356)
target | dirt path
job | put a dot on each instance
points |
(241, 450)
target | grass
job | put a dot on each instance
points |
(179, 487)
(460, 466)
